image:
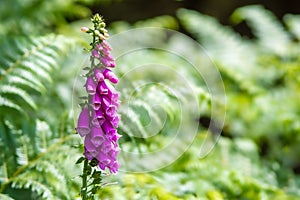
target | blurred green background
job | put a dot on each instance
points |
(255, 48)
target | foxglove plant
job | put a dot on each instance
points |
(98, 120)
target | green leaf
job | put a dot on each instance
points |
(26, 66)
(265, 26)
(80, 160)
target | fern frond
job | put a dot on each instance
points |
(47, 174)
(293, 24)
(10, 104)
(37, 16)
(5, 197)
(27, 65)
(221, 42)
(25, 182)
(164, 21)
(269, 31)
(19, 93)
(234, 55)
(56, 178)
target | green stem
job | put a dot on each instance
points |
(84, 180)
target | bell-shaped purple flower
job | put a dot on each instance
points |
(102, 88)
(112, 64)
(104, 160)
(97, 118)
(90, 151)
(106, 147)
(114, 98)
(114, 137)
(114, 120)
(108, 74)
(108, 129)
(96, 101)
(106, 46)
(83, 125)
(114, 152)
(112, 94)
(97, 136)
(109, 109)
(90, 86)
(105, 61)
(98, 75)
(95, 53)
(113, 167)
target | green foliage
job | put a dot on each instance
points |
(33, 157)
(258, 159)
(26, 67)
(232, 171)
(36, 163)
(266, 28)
(265, 110)
(37, 17)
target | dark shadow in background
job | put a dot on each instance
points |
(135, 10)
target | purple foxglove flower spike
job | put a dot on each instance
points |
(83, 125)
(99, 119)
(90, 86)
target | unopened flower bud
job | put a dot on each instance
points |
(103, 30)
(97, 32)
(84, 29)
(102, 37)
(106, 35)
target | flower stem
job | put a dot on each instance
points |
(84, 180)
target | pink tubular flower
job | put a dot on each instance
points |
(106, 46)
(84, 29)
(108, 74)
(90, 150)
(106, 147)
(113, 168)
(102, 88)
(83, 125)
(108, 128)
(98, 75)
(105, 61)
(98, 136)
(90, 86)
(98, 118)
(95, 53)
(114, 120)
(108, 108)
(96, 101)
